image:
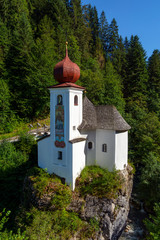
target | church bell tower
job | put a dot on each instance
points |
(63, 158)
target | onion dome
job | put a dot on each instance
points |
(66, 71)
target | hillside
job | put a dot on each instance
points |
(113, 71)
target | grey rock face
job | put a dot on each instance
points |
(112, 214)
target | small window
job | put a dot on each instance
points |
(59, 155)
(74, 127)
(59, 100)
(104, 147)
(90, 145)
(75, 100)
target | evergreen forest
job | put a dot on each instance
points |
(113, 71)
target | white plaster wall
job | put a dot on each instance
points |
(78, 160)
(75, 113)
(121, 156)
(48, 152)
(105, 159)
(90, 153)
(59, 167)
(44, 154)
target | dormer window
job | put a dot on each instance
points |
(75, 100)
(59, 100)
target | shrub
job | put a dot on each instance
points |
(99, 182)
(26, 143)
(153, 224)
(58, 225)
(9, 235)
(45, 183)
(13, 167)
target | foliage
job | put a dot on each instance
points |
(45, 183)
(26, 143)
(154, 82)
(91, 78)
(10, 158)
(153, 224)
(7, 116)
(150, 181)
(98, 182)
(13, 166)
(113, 71)
(23, 127)
(113, 88)
(58, 224)
(5, 235)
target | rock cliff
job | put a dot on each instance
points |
(110, 213)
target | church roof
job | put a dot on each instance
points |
(102, 117)
(66, 84)
(66, 70)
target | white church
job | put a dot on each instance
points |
(81, 134)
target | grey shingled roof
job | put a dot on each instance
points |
(102, 117)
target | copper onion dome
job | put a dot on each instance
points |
(66, 70)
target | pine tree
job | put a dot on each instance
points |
(19, 59)
(119, 60)
(154, 82)
(112, 38)
(113, 88)
(81, 32)
(104, 31)
(92, 79)
(135, 83)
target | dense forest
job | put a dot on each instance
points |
(113, 71)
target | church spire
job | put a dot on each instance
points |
(66, 71)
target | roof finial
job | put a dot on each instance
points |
(66, 49)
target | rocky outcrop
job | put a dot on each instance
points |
(111, 213)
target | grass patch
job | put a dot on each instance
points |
(45, 183)
(99, 182)
(24, 128)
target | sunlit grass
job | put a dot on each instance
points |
(24, 128)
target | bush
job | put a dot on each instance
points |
(9, 235)
(10, 158)
(26, 143)
(150, 181)
(153, 224)
(58, 225)
(99, 182)
(45, 183)
(13, 167)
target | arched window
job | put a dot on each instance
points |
(90, 145)
(104, 147)
(75, 100)
(59, 100)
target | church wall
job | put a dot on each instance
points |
(105, 159)
(90, 153)
(78, 160)
(121, 156)
(75, 113)
(44, 154)
(72, 119)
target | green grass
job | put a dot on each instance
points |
(45, 183)
(24, 128)
(99, 182)
(56, 225)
